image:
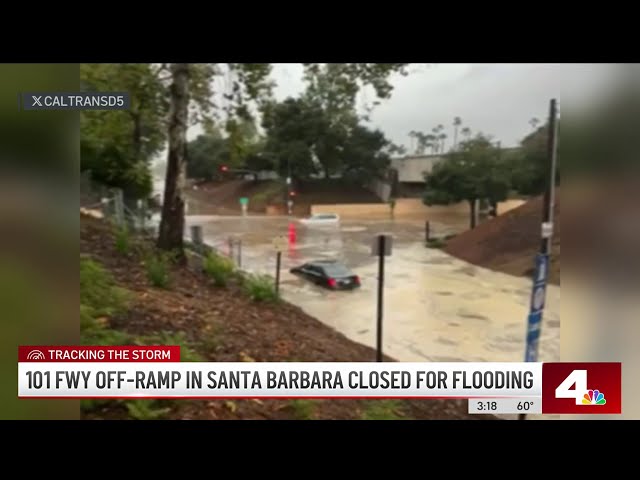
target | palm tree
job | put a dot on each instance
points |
(430, 141)
(457, 121)
(435, 145)
(442, 138)
(466, 132)
(534, 122)
(422, 144)
(413, 135)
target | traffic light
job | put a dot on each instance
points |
(224, 168)
(292, 193)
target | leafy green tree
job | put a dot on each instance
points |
(190, 94)
(394, 149)
(529, 164)
(471, 173)
(206, 154)
(117, 145)
(299, 130)
(333, 88)
(366, 153)
(172, 220)
(292, 127)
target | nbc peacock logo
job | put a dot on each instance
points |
(594, 397)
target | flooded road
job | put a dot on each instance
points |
(436, 308)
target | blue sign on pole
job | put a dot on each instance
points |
(538, 293)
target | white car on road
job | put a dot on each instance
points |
(321, 219)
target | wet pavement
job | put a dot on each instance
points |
(436, 307)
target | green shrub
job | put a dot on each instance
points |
(260, 288)
(87, 320)
(219, 268)
(382, 410)
(157, 266)
(123, 241)
(99, 295)
(187, 353)
(145, 409)
(303, 409)
(98, 335)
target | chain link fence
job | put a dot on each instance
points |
(101, 201)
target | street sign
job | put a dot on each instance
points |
(538, 298)
(547, 229)
(375, 245)
(280, 243)
(244, 201)
(538, 294)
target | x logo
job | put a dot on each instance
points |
(36, 100)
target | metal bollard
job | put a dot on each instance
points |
(196, 238)
(119, 207)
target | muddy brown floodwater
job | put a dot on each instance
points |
(436, 307)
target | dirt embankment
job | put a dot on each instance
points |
(224, 325)
(223, 197)
(509, 242)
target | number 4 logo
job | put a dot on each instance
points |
(577, 388)
(581, 393)
(577, 377)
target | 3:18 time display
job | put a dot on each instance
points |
(487, 406)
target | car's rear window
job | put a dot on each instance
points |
(336, 270)
(325, 217)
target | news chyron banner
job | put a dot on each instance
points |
(156, 372)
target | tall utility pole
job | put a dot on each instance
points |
(534, 321)
(550, 192)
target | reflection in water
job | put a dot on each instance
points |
(437, 308)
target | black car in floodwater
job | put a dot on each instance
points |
(328, 273)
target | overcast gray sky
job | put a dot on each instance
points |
(496, 99)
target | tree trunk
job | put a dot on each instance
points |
(494, 209)
(473, 207)
(455, 138)
(173, 208)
